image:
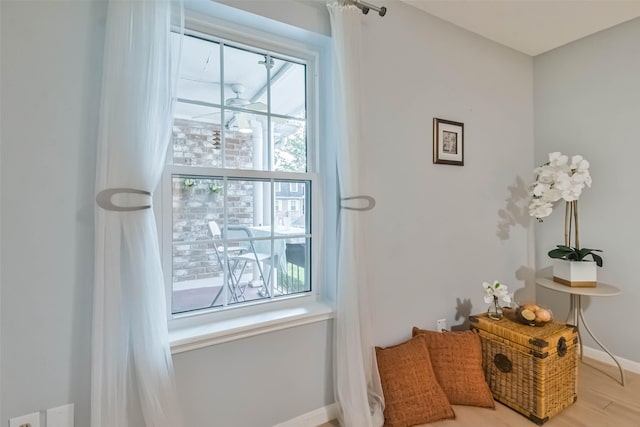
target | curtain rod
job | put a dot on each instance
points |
(364, 7)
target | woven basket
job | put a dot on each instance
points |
(531, 369)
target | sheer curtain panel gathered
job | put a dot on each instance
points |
(132, 370)
(357, 386)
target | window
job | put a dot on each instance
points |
(240, 137)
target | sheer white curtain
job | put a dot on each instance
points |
(132, 371)
(357, 388)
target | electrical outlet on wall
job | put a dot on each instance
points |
(441, 325)
(62, 416)
(29, 420)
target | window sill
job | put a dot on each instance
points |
(221, 331)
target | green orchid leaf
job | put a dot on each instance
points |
(583, 253)
(588, 250)
(558, 253)
(573, 256)
(597, 259)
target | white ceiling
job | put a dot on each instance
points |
(531, 26)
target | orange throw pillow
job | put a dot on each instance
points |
(411, 392)
(457, 362)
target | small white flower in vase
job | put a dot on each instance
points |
(493, 293)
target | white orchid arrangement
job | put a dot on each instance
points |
(558, 179)
(496, 291)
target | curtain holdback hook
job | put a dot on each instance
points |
(371, 203)
(103, 199)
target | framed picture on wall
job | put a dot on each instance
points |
(448, 142)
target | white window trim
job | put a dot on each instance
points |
(189, 331)
(191, 335)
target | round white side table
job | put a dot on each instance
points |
(576, 315)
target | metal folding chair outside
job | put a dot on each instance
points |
(236, 260)
(252, 255)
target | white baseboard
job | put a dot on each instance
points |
(313, 418)
(601, 356)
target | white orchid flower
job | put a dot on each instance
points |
(563, 182)
(569, 195)
(554, 155)
(552, 195)
(540, 189)
(575, 160)
(548, 180)
(582, 177)
(557, 180)
(583, 165)
(541, 209)
(557, 159)
(546, 171)
(578, 178)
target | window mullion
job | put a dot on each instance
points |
(223, 110)
(272, 220)
(270, 162)
(207, 172)
(225, 243)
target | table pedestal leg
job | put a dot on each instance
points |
(576, 314)
(574, 304)
(584, 322)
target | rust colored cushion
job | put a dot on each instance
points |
(411, 392)
(457, 362)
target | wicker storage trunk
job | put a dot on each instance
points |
(532, 369)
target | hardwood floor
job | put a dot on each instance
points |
(602, 402)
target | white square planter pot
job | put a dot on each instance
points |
(577, 274)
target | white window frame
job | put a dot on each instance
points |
(202, 328)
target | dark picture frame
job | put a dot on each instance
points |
(448, 142)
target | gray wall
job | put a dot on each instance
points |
(439, 231)
(258, 381)
(51, 55)
(587, 101)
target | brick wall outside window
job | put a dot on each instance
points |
(198, 144)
